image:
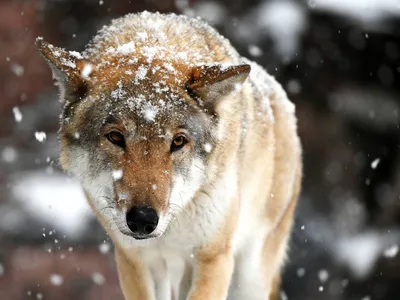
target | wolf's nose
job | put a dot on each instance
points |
(142, 220)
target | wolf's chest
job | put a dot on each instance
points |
(169, 272)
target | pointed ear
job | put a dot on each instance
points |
(212, 82)
(69, 69)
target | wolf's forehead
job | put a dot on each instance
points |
(144, 114)
(149, 101)
(146, 117)
(150, 112)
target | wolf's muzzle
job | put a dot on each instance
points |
(142, 221)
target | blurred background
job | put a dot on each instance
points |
(339, 61)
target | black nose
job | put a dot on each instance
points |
(142, 220)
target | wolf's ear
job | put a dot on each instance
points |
(212, 82)
(69, 69)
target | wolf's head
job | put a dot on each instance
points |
(139, 134)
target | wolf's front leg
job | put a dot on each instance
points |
(212, 276)
(134, 278)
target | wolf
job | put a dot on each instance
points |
(188, 154)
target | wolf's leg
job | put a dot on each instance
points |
(135, 279)
(248, 282)
(162, 281)
(258, 266)
(171, 275)
(251, 287)
(212, 276)
(274, 255)
(257, 272)
(276, 244)
(275, 290)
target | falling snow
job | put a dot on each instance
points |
(17, 69)
(300, 272)
(293, 87)
(98, 278)
(375, 163)
(283, 295)
(9, 154)
(391, 251)
(17, 114)
(117, 174)
(255, 51)
(285, 22)
(208, 147)
(104, 248)
(323, 275)
(40, 136)
(56, 279)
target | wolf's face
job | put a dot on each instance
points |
(139, 138)
(140, 153)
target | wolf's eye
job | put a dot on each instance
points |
(178, 142)
(116, 138)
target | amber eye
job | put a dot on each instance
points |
(116, 138)
(178, 143)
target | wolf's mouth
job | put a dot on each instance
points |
(139, 237)
(142, 237)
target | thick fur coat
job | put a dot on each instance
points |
(160, 111)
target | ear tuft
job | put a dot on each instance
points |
(213, 82)
(68, 69)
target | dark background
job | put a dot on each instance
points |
(340, 64)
